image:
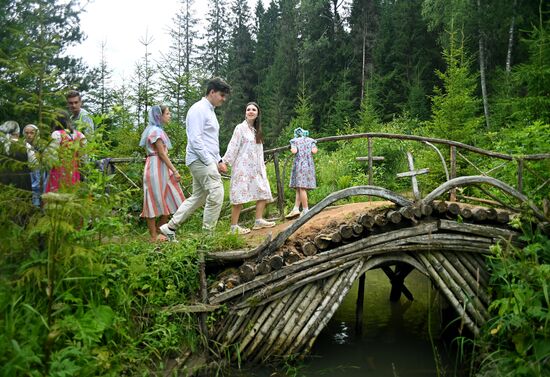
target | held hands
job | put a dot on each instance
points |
(177, 176)
(222, 167)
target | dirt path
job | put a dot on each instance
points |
(335, 214)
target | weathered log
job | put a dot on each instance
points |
(503, 217)
(237, 255)
(322, 241)
(457, 290)
(491, 214)
(322, 311)
(308, 249)
(292, 318)
(332, 306)
(336, 237)
(281, 288)
(472, 277)
(380, 219)
(407, 212)
(361, 244)
(426, 209)
(440, 206)
(276, 262)
(366, 219)
(449, 294)
(357, 229)
(482, 230)
(453, 208)
(287, 316)
(247, 271)
(475, 269)
(479, 214)
(227, 336)
(417, 211)
(316, 297)
(293, 257)
(345, 231)
(253, 330)
(263, 267)
(193, 308)
(465, 287)
(393, 216)
(268, 324)
(279, 240)
(232, 281)
(466, 213)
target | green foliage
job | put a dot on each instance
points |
(516, 341)
(455, 106)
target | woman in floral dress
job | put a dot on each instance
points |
(245, 155)
(302, 176)
(162, 194)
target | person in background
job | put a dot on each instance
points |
(38, 176)
(245, 155)
(14, 169)
(302, 176)
(203, 159)
(79, 116)
(162, 194)
(64, 152)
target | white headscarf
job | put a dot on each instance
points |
(154, 121)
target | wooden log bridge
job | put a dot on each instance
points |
(283, 294)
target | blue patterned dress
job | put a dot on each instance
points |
(303, 169)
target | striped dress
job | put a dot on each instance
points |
(162, 194)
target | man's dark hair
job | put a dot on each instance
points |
(73, 93)
(217, 84)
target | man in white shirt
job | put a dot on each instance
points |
(81, 118)
(203, 159)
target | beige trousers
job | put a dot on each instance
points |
(207, 191)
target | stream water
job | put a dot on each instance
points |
(394, 340)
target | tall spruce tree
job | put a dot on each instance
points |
(240, 69)
(34, 68)
(214, 50)
(176, 67)
(405, 57)
(278, 90)
(456, 107)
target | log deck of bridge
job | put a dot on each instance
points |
(284, 293)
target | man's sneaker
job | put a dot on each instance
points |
(262, 223)
(294, 213)
(304, 211)
(169, 233)
(236, 229)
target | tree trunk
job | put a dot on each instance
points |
(511, 38)
(483, 79)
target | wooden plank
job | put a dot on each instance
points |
(481, 230)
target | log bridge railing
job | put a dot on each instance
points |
(455, 149)
(284, 292)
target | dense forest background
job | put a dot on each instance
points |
(450, 67)
(82, 292)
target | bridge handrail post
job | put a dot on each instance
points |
(520, 175)
(452, 193)
(280, 188)
(204, 298)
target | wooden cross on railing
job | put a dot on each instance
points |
(413, 173)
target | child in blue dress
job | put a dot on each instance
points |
(302, 176)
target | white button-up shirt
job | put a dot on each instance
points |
(202, 134)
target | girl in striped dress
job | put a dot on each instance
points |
(162, 194)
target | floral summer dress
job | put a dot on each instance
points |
(65, 173)
(303, 168)
(248, 175)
